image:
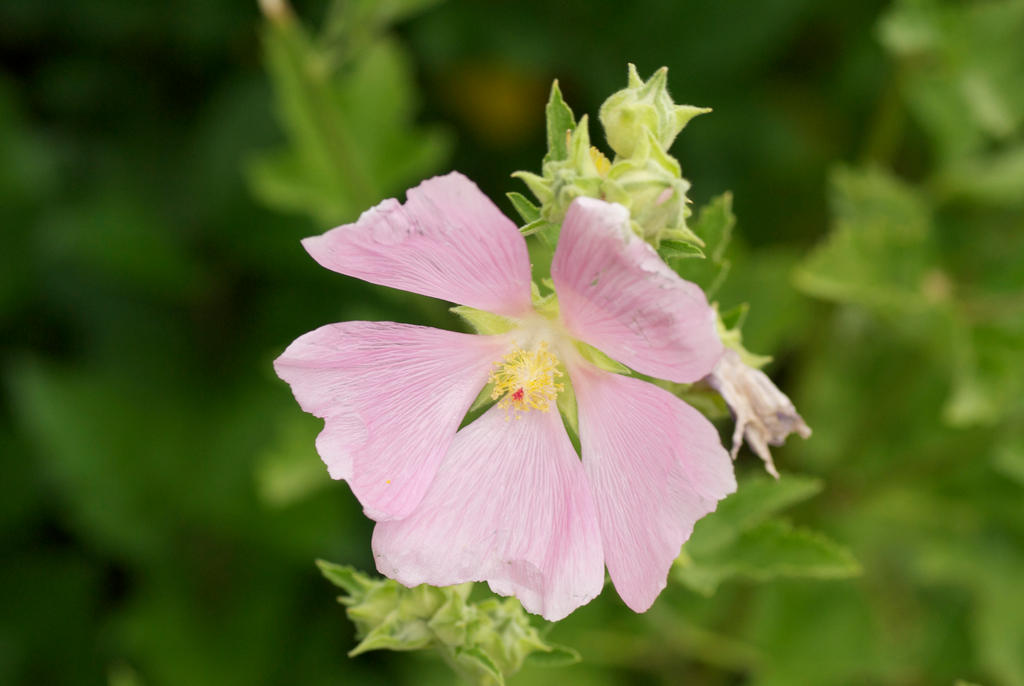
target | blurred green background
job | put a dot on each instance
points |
(161, 500)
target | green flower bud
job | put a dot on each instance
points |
(651, 186)
(630, 113)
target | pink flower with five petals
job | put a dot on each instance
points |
(506, 499)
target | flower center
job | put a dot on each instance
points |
(525, 380)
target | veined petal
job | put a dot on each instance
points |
(447, 241)
(393, 396)
(616, 294)
(511, 506)
(655, 466)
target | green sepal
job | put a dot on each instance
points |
(482, 398)
(600, 360)
(526, 209)
(544, 229)
(394, 634)
(344, 577)
(679, 250)
(538, 185)
(732, 336)
(567, 405)
(734, 317)
(559, 120)
(546, 304)
(474, 657)
(483, 322)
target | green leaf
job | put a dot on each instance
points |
(995, 178)
(529, 212)
(988, 374)
(767, 551)
(960, 71)
(558, 656)
(559, 121)
(714, 226)
(322, 99)
(997, 627)
(756, 500)
(1008, 457)
(879, 252)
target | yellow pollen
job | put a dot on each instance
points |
(525, 380)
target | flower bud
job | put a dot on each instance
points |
(484, 641)
(630, 113)
(651, 186)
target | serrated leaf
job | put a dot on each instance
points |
(526, 209)
(755, 501)
(879, 252)
(769, 550)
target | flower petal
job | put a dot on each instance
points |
(510, 506)
(617, 295)
(655, 466)
(447, 241)
(393, 396)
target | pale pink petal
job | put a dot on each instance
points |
(655, 466)
(510, 505)
(393, 396)
(617, 295)
(447, 241)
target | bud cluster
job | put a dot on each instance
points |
(640, 123)
(483, 641)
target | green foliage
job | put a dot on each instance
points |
(346, 103)
(483, 642)
(742, 539)
(879, 253)
(714, 227)
(161, 495)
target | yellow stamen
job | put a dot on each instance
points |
(600, 161)
(525, 380)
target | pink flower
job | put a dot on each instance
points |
(506, 499)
